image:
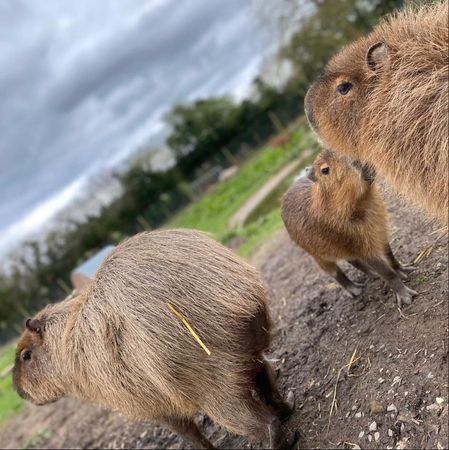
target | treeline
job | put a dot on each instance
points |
(203, 134)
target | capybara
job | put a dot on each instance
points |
(337, 213)
(383, 99)
(122, 343)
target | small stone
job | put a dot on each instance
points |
(405, 393)
(370, 438)
(380, 380)
(373, 426)
(376, 407)
(357, 447)
(396, 380)
(390, 432)
(439, 400)
(376, 436)
(358, 415)
(361, 434)
(392, 408)
(433, 407)
(347, 414)
(354, 407)
(430, 375)
(142, 436)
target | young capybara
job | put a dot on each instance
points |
(337, 213)
(122, 342)
(384, 100)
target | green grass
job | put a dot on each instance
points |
(212, 212)
(10, 402)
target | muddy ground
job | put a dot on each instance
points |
(384, 374)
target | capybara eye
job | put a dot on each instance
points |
(325, 170)
(26, 355)
(344, 88)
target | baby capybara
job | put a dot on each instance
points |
(337, 213)
(384, 100)
(121, 343)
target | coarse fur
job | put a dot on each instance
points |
(337, 213)
(395, 113)
(119, 345)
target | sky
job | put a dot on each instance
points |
(84, 83)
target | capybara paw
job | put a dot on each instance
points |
(406, 297)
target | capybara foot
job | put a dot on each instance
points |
(405, 297)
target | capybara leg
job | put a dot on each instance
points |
(355, 289)
(267, 388)
(397, 266)
(269, 425)
(188, 429)
(248, 416)
(359, 265)
(403, 294)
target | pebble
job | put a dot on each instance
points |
(390, 432)
(373, 426)
(433, 407)
(361, 434)
(439, 400)
(396, 380)
(370, 438)
(392, 408)
(358, 415)
(430, 375)
(376, 407)
(376, 436)
(380, 380)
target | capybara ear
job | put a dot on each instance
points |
(377, 56)
(34, 325)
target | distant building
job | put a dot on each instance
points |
(84, 274)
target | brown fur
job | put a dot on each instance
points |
(117, 343)
(339, 216)
(396, 114)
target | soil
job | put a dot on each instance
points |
(364, 375)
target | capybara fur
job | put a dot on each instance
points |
(383, 99)
(337, 213)
(119, 345)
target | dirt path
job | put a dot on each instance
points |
(241, 215)
(359, 355)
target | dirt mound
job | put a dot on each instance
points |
(382, 374)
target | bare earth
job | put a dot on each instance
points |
(336, 353)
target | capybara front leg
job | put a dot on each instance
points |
(268, 390)
(355, 289)
(395, 264)
(403, 294)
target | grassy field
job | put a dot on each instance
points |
(10, 402)
(212, 212)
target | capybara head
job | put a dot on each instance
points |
(35, 376)
(334, 173)
(335, 102)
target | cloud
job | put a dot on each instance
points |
(84, 84)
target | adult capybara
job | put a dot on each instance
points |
(384, 100)
(122, 343)
(337, 213)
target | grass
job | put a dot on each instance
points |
(212, 212)
(10, 402)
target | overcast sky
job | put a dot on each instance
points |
(83, 83)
